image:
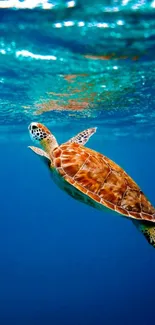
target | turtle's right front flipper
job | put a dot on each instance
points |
(83, 137)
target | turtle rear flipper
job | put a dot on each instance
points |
(147, 229)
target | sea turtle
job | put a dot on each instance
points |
(94, 179)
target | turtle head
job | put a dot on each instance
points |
(41, 134)
(38, 131)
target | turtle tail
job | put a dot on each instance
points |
(147, 229)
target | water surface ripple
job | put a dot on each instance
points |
(65, 63)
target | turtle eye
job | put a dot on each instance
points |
(34, 127)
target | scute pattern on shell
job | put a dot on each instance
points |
(102, 180)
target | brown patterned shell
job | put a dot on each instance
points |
(102, 180)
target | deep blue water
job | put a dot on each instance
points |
(62, 262)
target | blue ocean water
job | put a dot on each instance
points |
(74, 65)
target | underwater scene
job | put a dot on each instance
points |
(77, 134)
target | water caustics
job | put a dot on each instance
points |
(71, 61)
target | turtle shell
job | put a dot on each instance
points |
(101, 180)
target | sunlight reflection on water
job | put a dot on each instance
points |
(95, 66)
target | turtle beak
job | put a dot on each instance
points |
(32, 126)
(30, 129)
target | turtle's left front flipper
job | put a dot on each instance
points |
(147, 229)
(43, 154)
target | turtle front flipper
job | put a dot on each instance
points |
(147, 229)
(83, 137)
(43, 154)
